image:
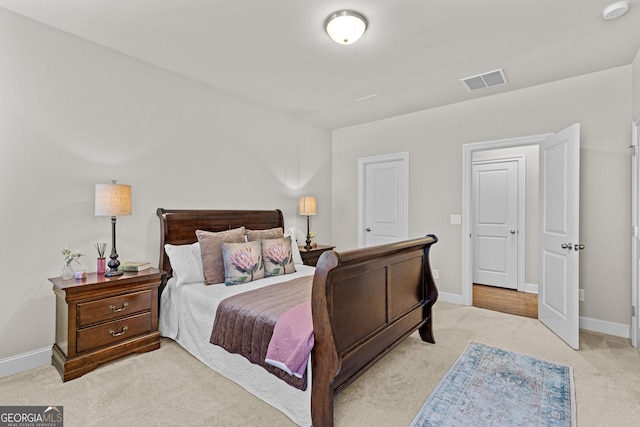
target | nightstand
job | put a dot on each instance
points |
(310, 257)
(100, 318)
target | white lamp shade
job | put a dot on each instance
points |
(113, 199)
(307, 205)
(345, 27)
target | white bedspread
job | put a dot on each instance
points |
(187, 314)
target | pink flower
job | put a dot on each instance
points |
(244, 261)
(278, 255)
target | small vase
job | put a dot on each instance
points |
(67, 272)
(102, 265)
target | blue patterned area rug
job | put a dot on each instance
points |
(489, 386)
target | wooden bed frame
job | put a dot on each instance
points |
(364, 301)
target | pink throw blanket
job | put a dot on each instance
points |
(292, 340)
(244, 323)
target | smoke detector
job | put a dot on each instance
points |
(615, 10)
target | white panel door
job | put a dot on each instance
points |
(559, 234)
(495, 224)
(384, 202)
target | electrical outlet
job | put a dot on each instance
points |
(436, 274)
(455, 219)
(580, 294)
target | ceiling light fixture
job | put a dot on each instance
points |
(615, 10)
(345, 26)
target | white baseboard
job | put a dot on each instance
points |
(605, 327)
(25, 361)
(586, 323)
(532, 288)
(450, 298)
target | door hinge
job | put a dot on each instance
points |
(633, 150)
(635, 231)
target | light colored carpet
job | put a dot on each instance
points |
(169, 387)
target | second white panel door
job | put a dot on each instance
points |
(495, 223)
(385, 193)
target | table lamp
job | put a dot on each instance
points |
(307, 206)
(113, 200)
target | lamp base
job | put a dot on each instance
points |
(113, 273)
(308, 241)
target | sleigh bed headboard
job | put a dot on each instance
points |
(178, 226)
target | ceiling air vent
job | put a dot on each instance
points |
(491, 78)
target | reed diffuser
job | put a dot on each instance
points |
(102, 261)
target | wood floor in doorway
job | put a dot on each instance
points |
(505, 300)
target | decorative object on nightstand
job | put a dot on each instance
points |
(101, 262)
(69, 256)
(311, 256)
(101, 318)
(307, 206)
(113, 200)
(135, 266)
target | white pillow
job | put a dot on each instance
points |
(186, 262)
(295, 251)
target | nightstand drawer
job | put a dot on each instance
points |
(113, 332)
(113, 308)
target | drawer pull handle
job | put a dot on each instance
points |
(117, 334)
(116, 309)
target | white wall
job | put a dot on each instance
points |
(601, 102)
(75, 114)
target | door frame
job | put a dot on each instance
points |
(362, 163)
(467, 173)
(635, 235)
(520, 162)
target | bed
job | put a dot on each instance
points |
(391, 285)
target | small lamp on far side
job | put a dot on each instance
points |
(113, 200)
(307, 206)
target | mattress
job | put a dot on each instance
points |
(187, 313)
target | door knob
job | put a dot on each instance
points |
(565, 246)
(513, 231)
(367, 229)
(578, 247)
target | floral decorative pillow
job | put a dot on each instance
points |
(277, 256)
(242, 262)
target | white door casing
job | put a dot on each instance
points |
(635, 235)
(468, 151)
(559, 234)
(495, 214)
(383, 183)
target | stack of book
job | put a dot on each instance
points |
(134, 267)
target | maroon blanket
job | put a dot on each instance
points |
(244, 323)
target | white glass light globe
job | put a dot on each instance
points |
(345, 27)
